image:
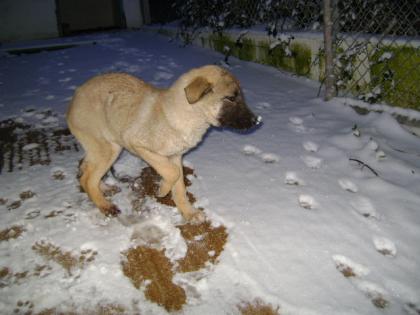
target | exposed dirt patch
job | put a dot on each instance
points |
(24, 144)
(380, 302)
(5, 275)
(11, 233)
(257, 307)
(65, 259)
(32, 215)
(346, 270)
(25, 307)
(28, 194)
(4, 272)
(205, 244)
(386, 252)
(53, 214)
(8, 277)
(14, 205)
(150, 266)
(147, 184)
(54, 253)
(58, 175)
(41, 270)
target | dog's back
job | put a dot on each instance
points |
(107, 104)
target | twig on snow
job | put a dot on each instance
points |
(363, 165)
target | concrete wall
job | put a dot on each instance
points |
(77, 15)
(27, 19)
(133, 14)
(37, 19)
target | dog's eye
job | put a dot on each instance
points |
(230, 98)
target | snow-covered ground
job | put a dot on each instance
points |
(311, 229)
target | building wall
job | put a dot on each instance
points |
(27, 19)
(133, 14)
(37, 19)
(79, 15)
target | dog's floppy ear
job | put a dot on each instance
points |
(197, 89)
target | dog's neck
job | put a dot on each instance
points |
(186, 119)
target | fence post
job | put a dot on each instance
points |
(328, 47)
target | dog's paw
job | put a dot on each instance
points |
(111, 211)
(197, 217)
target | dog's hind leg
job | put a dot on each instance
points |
(100, 155)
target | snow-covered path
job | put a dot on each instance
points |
(310, 229)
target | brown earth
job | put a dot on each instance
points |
(150, 267)
(347, 271)
(65, 259)
(380, 302)
(14, 135)
(143, 263)
(26, 307)
(147, 185)
(204, 244)
(257, 307)
(11, 233)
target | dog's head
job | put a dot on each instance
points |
(218, 95)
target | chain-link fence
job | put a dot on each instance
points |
(375, 44)
(274, 15)
(377, 47)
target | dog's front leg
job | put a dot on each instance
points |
(179, 195)
(163, 166)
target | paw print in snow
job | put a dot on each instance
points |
(310, 146)
(385, 246)
(266, 157)
(58, 174)
(251, 150)
(263, 105)
(364, 207)
(269, 157)
(376, 294)
(312, 161)
(291, 178)
(297, 124)
(296, 120)
(348, 267)
(307, 202)
(24, 307)
(348, 185)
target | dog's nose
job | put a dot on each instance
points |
(257, 120)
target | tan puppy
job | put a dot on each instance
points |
(116, 110)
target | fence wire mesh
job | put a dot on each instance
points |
(377, 48)
(376, 43)
(275, 15)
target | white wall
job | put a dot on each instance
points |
(27, 19)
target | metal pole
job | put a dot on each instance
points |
(329, 56)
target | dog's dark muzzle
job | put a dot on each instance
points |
(238, 116)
